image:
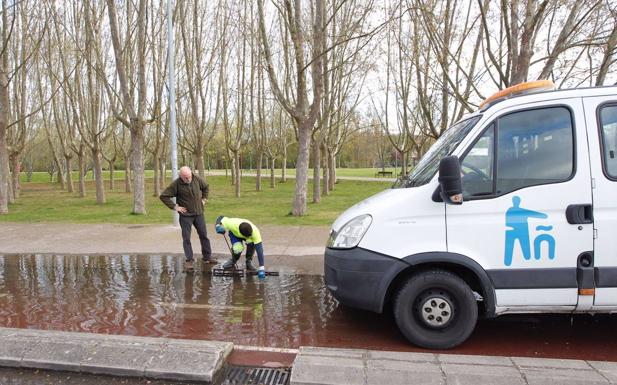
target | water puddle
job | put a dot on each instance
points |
(153, 296)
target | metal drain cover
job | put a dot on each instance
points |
(247, 375)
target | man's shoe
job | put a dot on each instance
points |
(188, 265)
(229, 264)
(209, 260)
(250, 266)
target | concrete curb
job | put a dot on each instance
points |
(314, 366)
(156, 358)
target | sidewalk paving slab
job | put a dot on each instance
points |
(545, 376)
(607, 369)
(380, 372)
(325, 366)
(117, 355)
(465, 374)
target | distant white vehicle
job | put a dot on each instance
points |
(513, 210)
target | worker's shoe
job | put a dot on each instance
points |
(250, 266)
(230, 263)
(188, 265)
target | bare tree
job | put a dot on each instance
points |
(345, 69)
(200, 47)
(133, 104)
(609, 52)
(158, 133)
(23, 27)
(234, 116)
(512, 50)
(303, 113)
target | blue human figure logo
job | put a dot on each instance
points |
(518, 229)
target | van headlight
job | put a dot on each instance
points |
(351, 233)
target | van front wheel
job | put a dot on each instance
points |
(436, 309)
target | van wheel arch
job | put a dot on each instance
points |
(464, 267)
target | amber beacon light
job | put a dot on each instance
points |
(519, 89)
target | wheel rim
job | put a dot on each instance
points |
(435, 309)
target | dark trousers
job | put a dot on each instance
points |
(186, 223)
(250, 249)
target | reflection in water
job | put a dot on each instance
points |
(152, 296)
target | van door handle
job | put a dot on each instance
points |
(579, 214)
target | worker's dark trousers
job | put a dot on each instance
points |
(186, 222)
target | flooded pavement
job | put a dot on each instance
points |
(152, 296)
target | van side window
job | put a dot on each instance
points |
(534, 147)
(608, 125)
(477, 166)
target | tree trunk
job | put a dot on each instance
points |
(163, 179)
(284, 165)
(233, 171)
(127, 176)
(82, 173)
(199, 158)
(138, 168)
(237, 174)
(69, 175)
(316, 172)
(304, 143)
(331, 170)
(58, 165)
(259, 162)
(4, 153)
(272, 176)
(607, 58)
(98, 176)
(156, 178)
(11, 197)
(326, 170)
(112, 184)
(16, 169)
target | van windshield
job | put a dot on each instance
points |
(428, 165)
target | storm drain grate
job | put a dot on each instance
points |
(246, 375)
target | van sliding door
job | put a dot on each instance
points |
(601, 115)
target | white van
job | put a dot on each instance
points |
(535, 230)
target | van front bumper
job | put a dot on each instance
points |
(360, 278)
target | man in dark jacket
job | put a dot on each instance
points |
(191, 193)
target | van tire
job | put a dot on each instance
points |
(436, 309)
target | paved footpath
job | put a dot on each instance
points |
(295, 249)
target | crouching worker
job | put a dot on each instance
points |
(239, 231)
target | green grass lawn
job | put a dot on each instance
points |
(44, 202)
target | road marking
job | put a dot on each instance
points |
(203, 306)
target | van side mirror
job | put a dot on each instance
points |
(450, 182)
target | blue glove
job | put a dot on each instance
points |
(261, 274)
(220, 229)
